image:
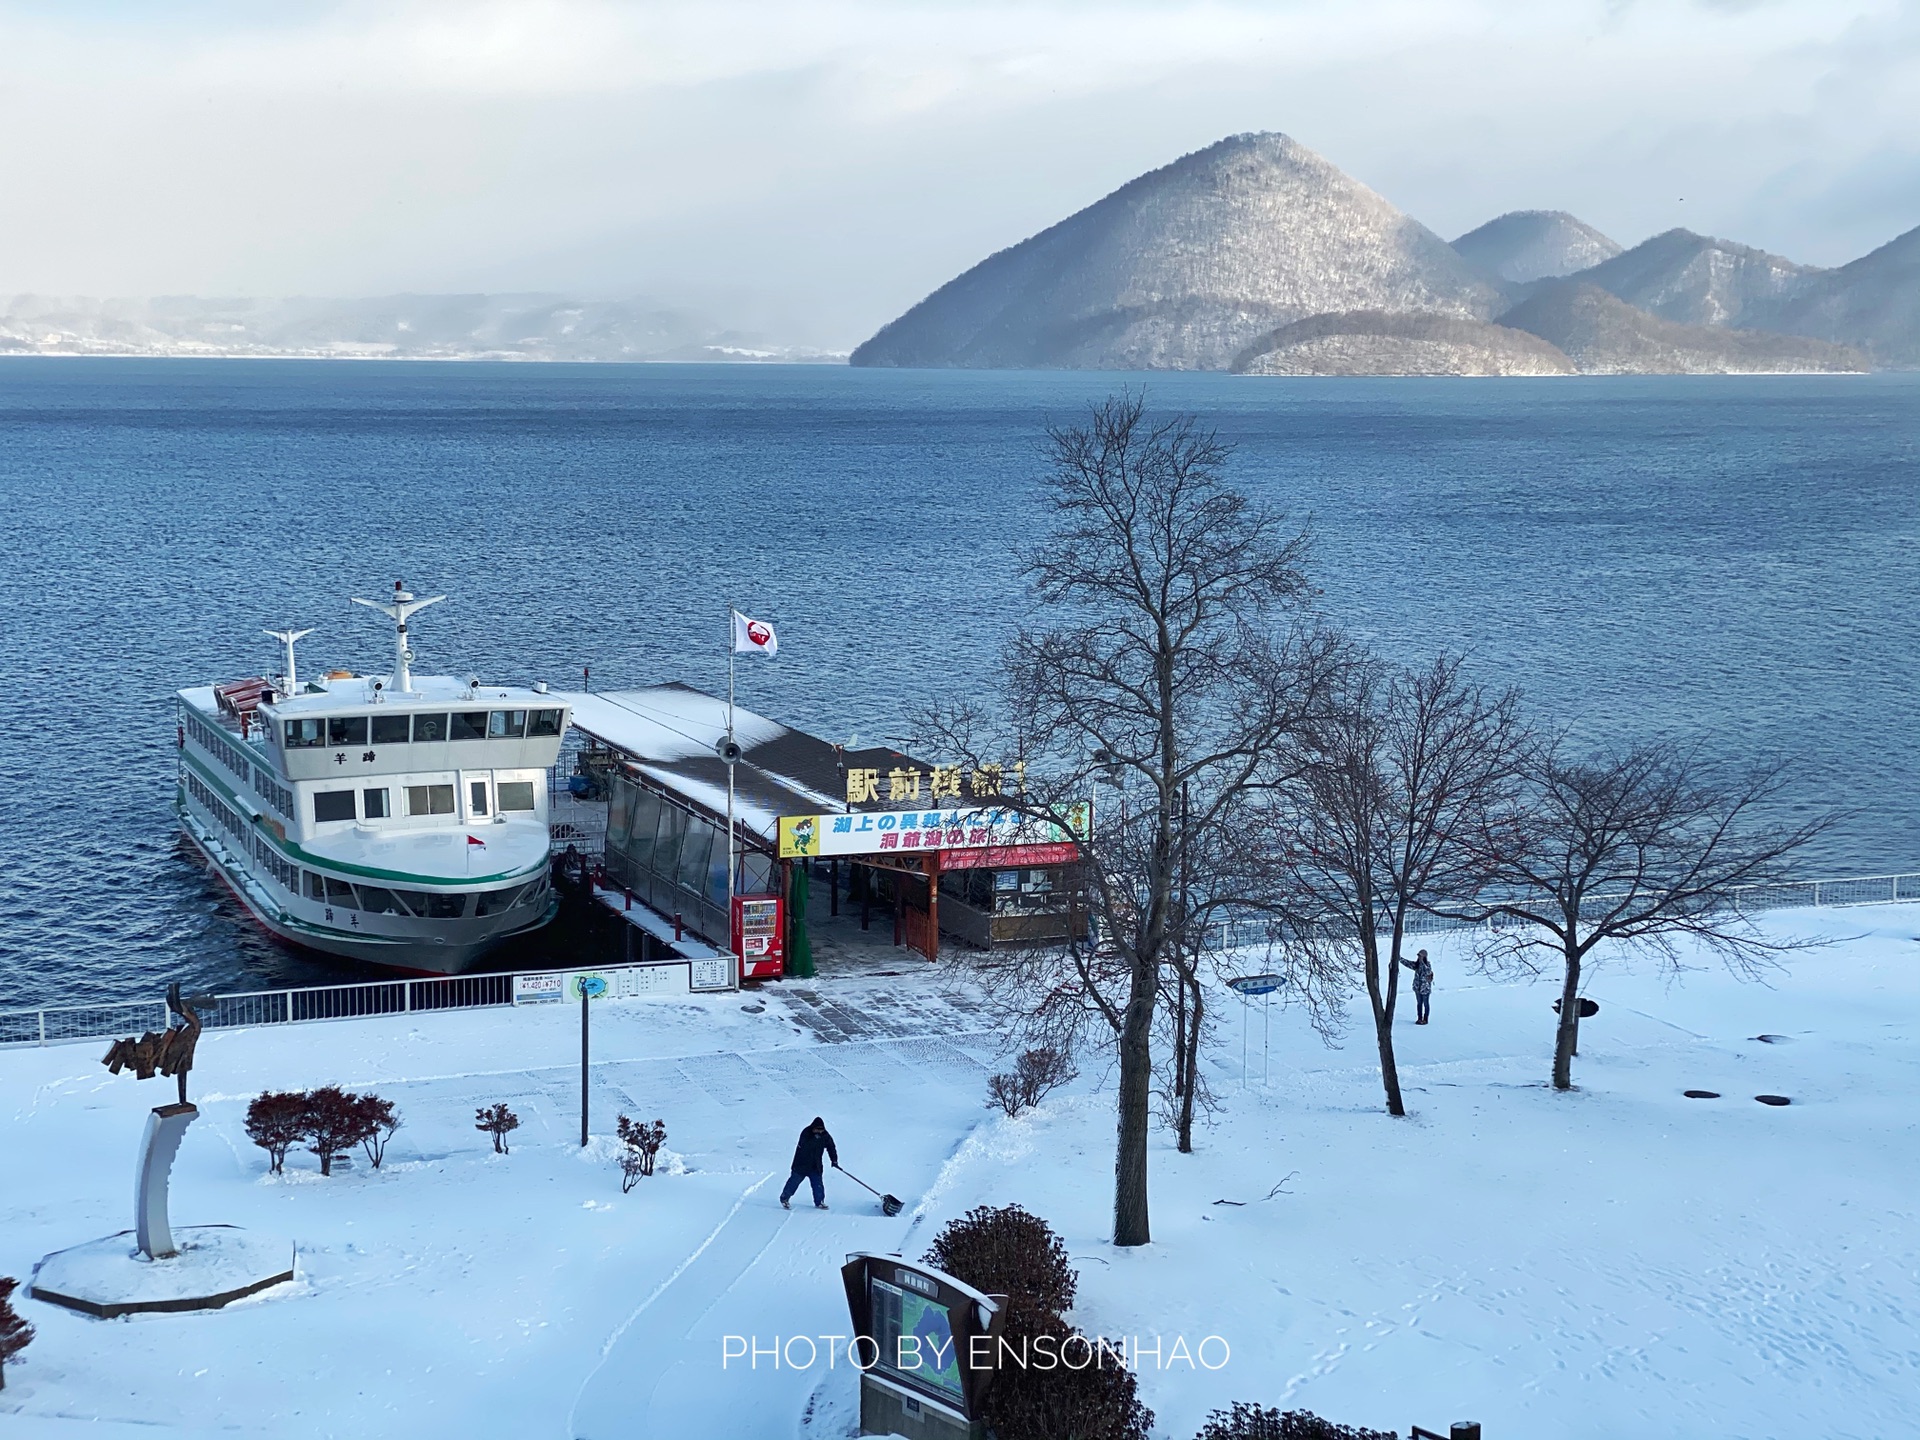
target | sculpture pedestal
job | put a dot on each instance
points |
(158, 1146)
(214, 1266)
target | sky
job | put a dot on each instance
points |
(809, 168)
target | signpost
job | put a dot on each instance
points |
(1247, 986)
(587, 986)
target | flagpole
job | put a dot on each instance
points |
(732, 856)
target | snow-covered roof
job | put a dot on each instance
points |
(670, 734)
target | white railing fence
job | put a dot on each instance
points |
(1789, 895)
(55, 1024)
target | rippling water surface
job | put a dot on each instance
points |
(1730, 558)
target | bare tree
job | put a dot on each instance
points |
(1645, 846)
(1408, 768)
(1171, 667)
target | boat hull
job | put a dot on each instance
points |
(452, 955)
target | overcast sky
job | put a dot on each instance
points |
(813, 168)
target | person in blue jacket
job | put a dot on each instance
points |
(814, 1142)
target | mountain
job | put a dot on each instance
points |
(1184, 267)
(1526, 245)
(1606, 336)
(1696, 279)
(405, 327)
(1374, 342)
(1874, 303)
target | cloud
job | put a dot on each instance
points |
(828, 163)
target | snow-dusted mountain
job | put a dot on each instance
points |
(1604, 335)
(1874, 302)
(1187, 265)
(1698, 280)
(425, 327)
(1527, 245)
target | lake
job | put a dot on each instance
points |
(1732, 559)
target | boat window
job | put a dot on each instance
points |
(429, 799)
(469, 724)
(412, 901)
(476, 797)
(498, 902)
(506, 724)
(446, 907)
(306, 734)
(373, 804)
(543, 722)
(339, 892)
(515, 794)
(429, 729)
(347, 730)
(316, 887)
(391, 729)
(333, 805)
(376, 901)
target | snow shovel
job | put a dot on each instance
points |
(889, 1204)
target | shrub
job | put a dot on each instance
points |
(1256, 1422)
(1006, 1251)
(498, 1121)
(276, 1121)
(14, 1331)
(1035, 1074)
(336, 1122)
(643, 1142)
(380, 1120)
(1070, 1385)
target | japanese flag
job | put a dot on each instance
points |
(753, 637)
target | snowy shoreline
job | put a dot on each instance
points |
(1619, 1260)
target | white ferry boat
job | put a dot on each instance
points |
(396, 819)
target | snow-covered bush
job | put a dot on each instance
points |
(643, 1142)
(276, 1122)
(14, 1331)
(1003, 1250)
(1258, 1422)
(336, 1122)
(380, 1120)
(1090, 1397)
(1035, 1074)
(498, 1121)
(329, 1119)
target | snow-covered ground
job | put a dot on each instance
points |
(1616, 1261)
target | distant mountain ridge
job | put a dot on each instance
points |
(1527, 245)
(1184, 266)
(1256, 254)
(402, 327)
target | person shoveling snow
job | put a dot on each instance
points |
(814, 1142)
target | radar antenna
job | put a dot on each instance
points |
(399, 608)
(289, 682)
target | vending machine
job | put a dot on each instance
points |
(759, 936)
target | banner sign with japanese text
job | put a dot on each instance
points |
(876, 832)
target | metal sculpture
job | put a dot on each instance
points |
(163, 1052)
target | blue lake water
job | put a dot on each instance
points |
(1733, 559)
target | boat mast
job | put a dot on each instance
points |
(290, 682)
(400, 607)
